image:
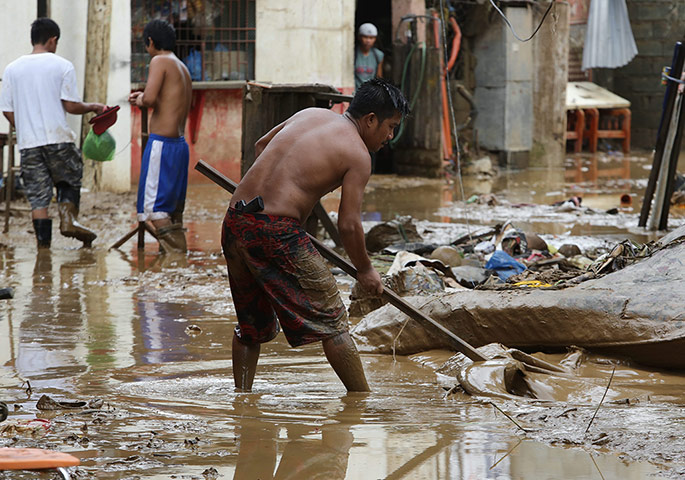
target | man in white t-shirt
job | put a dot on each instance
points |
(37, 91)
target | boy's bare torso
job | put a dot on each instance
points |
(173, 100)
(308, 157)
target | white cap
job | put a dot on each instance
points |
(368, 30)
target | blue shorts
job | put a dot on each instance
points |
(163, 177)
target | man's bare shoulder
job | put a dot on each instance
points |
(167, 61)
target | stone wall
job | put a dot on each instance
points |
(657, 25)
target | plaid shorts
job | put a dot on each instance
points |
(275, 271)
(44, 167)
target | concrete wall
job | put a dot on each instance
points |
(308, 41)
(504, 75)
(72, 17)
(657, 25)
(400, 8)
(15, 40)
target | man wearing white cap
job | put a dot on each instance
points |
(368, 60)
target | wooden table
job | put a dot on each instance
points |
(585, 101)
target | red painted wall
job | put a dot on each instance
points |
(218, 140)
(219, 137)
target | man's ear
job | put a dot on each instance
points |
(369, 119)
(150, 42)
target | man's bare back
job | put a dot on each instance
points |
(169, 92)
(307, 156)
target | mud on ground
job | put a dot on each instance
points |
(152, 340)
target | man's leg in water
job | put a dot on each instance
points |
(244, 364)
(343, 356)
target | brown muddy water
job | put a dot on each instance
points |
(151, 337)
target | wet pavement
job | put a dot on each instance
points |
(152, 340)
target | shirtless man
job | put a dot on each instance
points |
(274, 270)
(164, 167)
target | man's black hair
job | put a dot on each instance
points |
(42, 30)
(162, 33)
(380, 97)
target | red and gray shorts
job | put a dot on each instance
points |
(275, 272)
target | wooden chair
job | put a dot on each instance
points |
(609, 123)
(36, 459)
(575, 126)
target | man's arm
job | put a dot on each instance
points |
(79, 108)
(261, 144)
(10, 117)
(379, 70)
(350, 226)
(155, 78)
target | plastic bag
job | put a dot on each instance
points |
(99, 147)
(504, 265)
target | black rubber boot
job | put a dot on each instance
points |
(43, 229)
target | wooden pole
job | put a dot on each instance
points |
(9, 181)
(97, 74)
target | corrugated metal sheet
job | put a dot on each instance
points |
(609, 41)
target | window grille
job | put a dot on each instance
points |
(214, 38)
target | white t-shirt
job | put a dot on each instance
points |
(33, 87)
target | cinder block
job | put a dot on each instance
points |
(655, 10)
(642, 29)
(650, 48)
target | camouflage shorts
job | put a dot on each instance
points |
(44, 167)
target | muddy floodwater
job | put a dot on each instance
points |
(151, 338)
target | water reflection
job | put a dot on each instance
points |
(308, 452)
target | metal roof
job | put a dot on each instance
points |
(609, 41)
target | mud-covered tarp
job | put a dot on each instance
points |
(637, 312)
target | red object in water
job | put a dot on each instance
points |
(105, 120)
(626, 199)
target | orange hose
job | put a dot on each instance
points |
(456, 44)
(446, 135)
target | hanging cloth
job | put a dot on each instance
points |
(609, 41)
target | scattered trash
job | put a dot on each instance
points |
(569, 250)
(48, 403)
(504, 265)
(401, 229)
(448, 255)
(193, 330)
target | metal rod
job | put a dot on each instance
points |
(669, 100)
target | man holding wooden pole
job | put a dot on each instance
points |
(274, 270)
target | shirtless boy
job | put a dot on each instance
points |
(274, 270)
(164, 167)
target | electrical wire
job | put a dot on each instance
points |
(506, 20)
(672, 79)
(453, 119)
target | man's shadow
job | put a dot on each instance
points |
(303, 456)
